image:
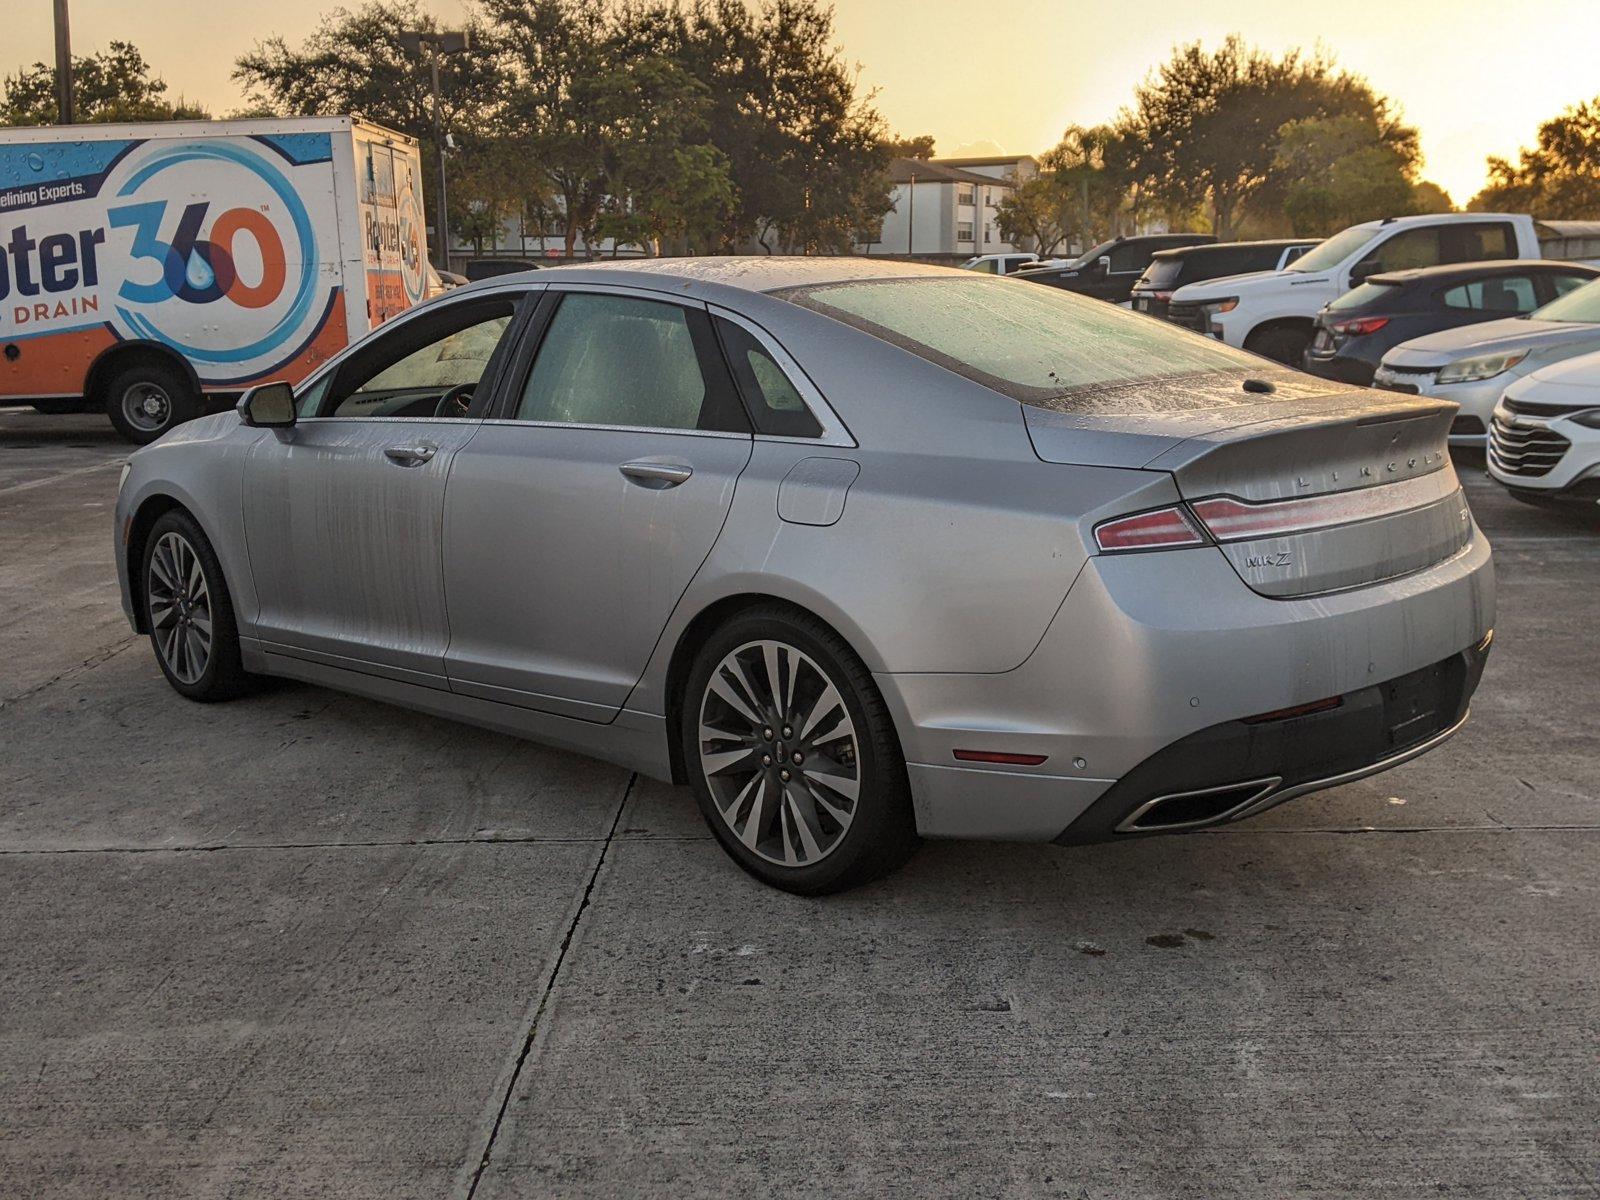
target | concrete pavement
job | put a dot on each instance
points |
(305, 944)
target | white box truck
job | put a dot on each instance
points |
(157, 270)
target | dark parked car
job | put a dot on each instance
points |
(1108, 271)
(488, 268)
(1169, 270)
(1356, 330)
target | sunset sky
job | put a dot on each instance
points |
(1476, 76)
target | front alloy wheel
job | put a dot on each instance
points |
(180, 608)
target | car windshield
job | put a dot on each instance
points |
(1334, 251)
(1088, 256)
(1360, 297)
(1039, 345)
(1580, 304)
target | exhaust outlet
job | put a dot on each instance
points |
(1196, 809)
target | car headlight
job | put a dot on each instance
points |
(1589, 418)
(1470, 370)
(1213, 307)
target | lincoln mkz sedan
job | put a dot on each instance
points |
(860, 551)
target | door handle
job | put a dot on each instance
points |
(656, 475)
(411, 456)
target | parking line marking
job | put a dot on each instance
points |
(57, 478)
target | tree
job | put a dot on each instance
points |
(1035, 211)
(1342, 172)
(1559, 177)
(109, 85)
(354, 63)
(920, 147)
(1208, 124)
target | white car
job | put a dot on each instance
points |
(1544, 438)
(1000, 264)
(1475, 364)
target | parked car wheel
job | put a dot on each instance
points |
(146, 399)
(1282, 345)
(189, 613)
(793, 756)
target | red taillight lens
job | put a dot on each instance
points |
(1163, 296)
(1162, 529)
(1359, 327)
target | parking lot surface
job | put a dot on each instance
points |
(305, 944)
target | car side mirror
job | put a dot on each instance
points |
(268, 406)
(1102, 266)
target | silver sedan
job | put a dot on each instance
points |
(859, 551)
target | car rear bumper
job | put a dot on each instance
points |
(1149, 650)
(1338, 367)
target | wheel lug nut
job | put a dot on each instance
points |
(785, 776)
(766, 760)
(798, 757)
(787, 732)
(767, 733)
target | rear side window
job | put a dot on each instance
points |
(1502, 294)
(1038, 345)
(774, 403)
(1407, 249)
(1477, 242)
(1127, 259)
(617, 360)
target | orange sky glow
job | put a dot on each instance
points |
(1006, 76)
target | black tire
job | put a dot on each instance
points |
(1281, 345)
(223, 676)
(880, 832)
(146, 399)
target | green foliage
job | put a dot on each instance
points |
(1559, 177)
(109, 85)
(920, 146)
(1207, 124)
(1340, 170)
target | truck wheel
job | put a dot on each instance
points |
(1281, 345)
(146, 399)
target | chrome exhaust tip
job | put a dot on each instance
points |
(1197, 809)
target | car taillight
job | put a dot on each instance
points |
(1230, 520)
(1163, 296)
(1163, 529)
(1360, 327)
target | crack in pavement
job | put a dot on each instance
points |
(103, 655)
(544, 998)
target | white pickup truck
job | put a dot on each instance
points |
(1272, 312)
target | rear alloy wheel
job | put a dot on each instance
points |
(189, 613)
(793, 756)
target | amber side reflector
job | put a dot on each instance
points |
(1299, 710)
(994, 756)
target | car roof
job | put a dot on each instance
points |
(1205, 248)
(1483, 269)
(749, 273)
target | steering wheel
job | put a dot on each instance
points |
(457, 402)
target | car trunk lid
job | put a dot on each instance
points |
(1312, 489)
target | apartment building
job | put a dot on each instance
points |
(946, 208)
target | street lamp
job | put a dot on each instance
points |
(436, 44)
(64, 112)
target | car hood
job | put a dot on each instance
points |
(1231, 285)
(1571, 381)
(1504, 336)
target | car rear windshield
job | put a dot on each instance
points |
(1580, 304)
(1161, 273)
(1363, 295)
(1042, 346)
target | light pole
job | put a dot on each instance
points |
(911, 212)
(64, 112)
(437, 44)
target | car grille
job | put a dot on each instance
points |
(1527, 450)
(1530, 408)
(1188, 314)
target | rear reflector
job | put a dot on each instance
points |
(994, 756)
(1230, 520)
(1160, 530)
(1299, 710)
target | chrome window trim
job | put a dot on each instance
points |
(655, 429)
(437, 304)
(834, 431)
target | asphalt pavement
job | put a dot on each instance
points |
(310, 945)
